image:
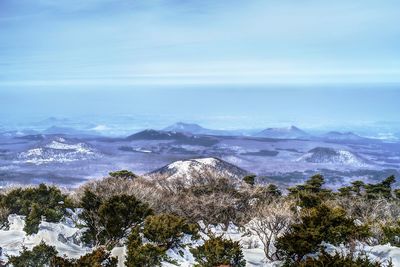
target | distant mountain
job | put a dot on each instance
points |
(53, 121)
(291, 132)
(58, 150)
(185, 127)
(181, 138)
(346, 136)
(157, 135)
(328, 155)
(193, 128)
(192, 168)
(33, 137)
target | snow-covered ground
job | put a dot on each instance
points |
(65, 237)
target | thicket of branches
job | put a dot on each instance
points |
(152, 215)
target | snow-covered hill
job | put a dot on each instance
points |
(291, 132)
(332, 156)
(193, 167)
(58, 150)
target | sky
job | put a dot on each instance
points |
(74, 57)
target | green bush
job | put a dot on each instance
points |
(109, 220)
(336, 260)
(316, 225)
(391, 234)
(125, 174)
(250, 179)
(40, 255)
(98, 258)
(143, 255)
(35, 203)
(167, 230)
(310, 194)
(382, 189)
(217, 251)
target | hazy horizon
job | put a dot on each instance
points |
(222, 64)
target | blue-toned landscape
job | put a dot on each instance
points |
(147, 133)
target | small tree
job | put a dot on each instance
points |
(125, 174)
(310, 194)
(36, 203)
(97, 258)
(167, 230)
(217, 251)
(270, 222)
(382, 189)
(143, 255)
(316, 225)
(337, 260)
(40, 255)
(108, 221)
(250, 179)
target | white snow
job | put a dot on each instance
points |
(55, 234)
(59, 235)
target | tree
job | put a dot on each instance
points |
(217, 251)
(270, 222)
(336, 260)
(316, 225)
(35, 203)
(250, 179)
(382, 189)
(108, 221)
(167, 230)
(40, 255)
(357, 187)
(125, 174)
(142, 255)
(310, 194)
(97, 258)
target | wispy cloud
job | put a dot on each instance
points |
(159, 41)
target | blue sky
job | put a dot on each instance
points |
(71, 57)
(72, 42)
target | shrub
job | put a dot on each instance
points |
(217, 251)
(143, 255)
(4, 213)
(40, 255)
(311, 193)
(271, 221)
(382, 189)
(166, 230)
(108, 221)
(391, 234)
(250, 179)
(98, 258)
(316, 225)
(214, 201)
(336, 260)
(35, 203)
(123, 174)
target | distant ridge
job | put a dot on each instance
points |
(193, 128)
(343, 136)
(151, 134)
(291, 132)
(182, 138)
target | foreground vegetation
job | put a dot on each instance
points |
(152, 217)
